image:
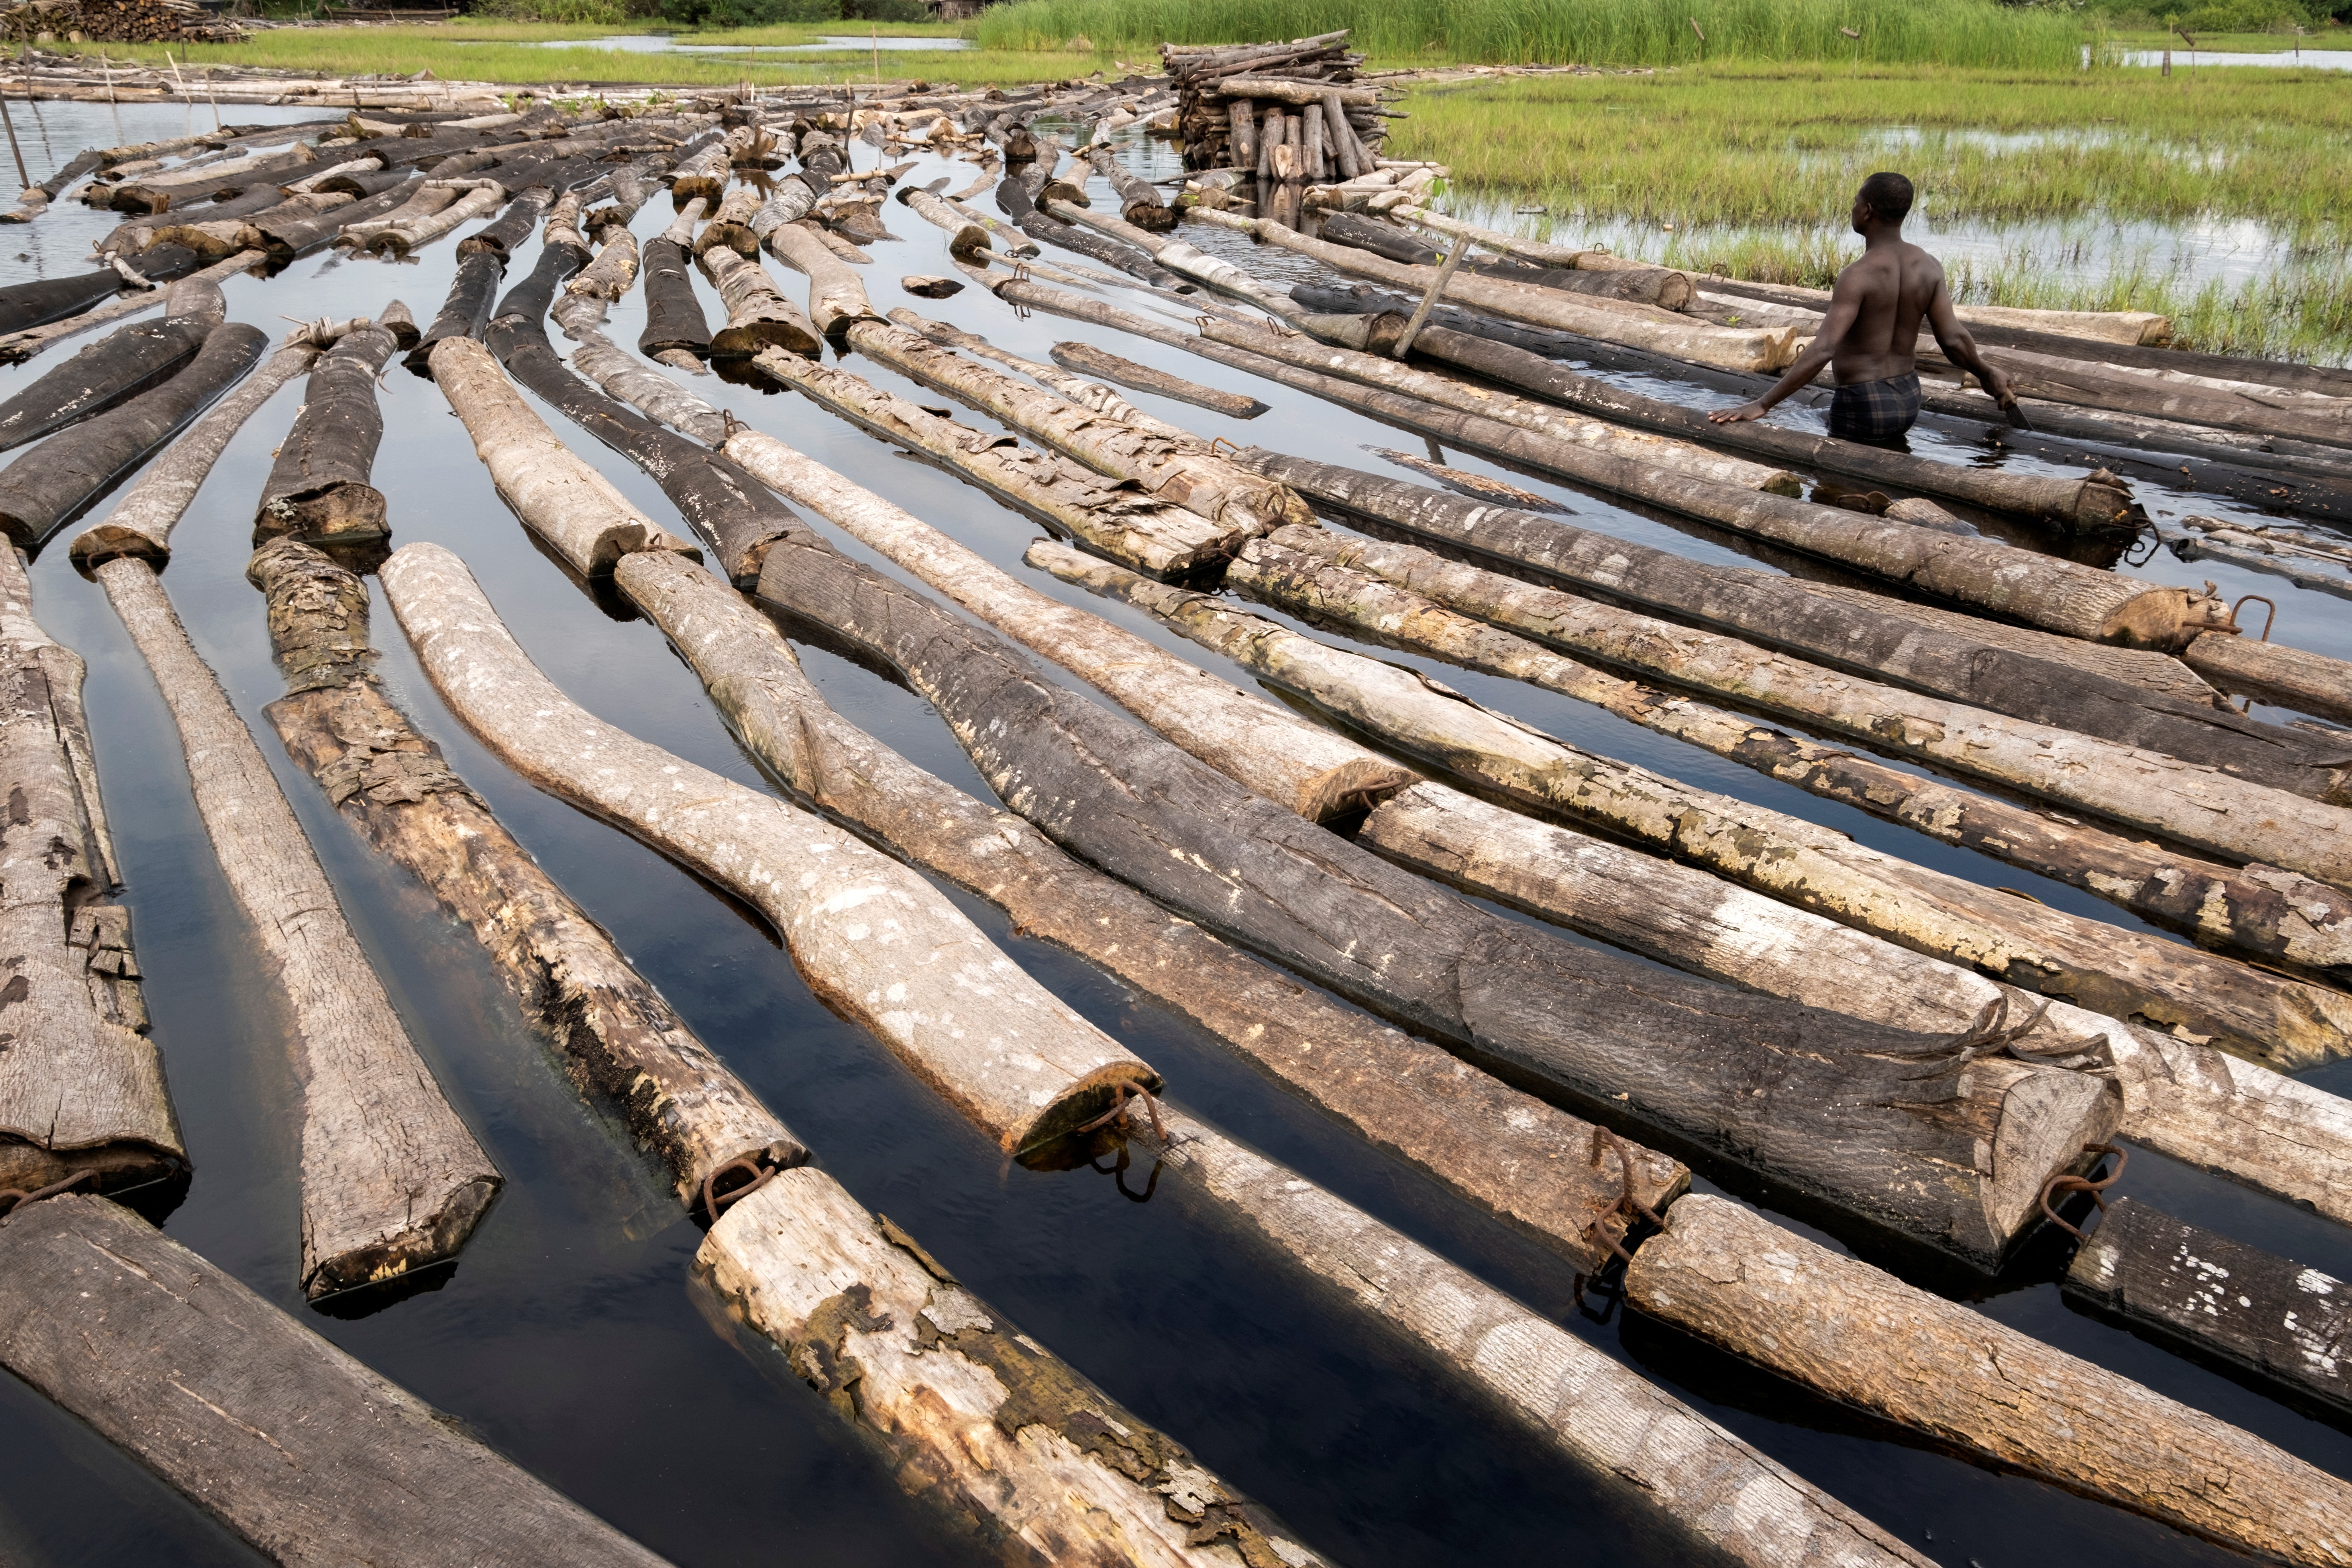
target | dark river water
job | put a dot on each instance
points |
(569, 1338)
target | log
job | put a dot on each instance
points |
(295, 1445)
(562, 500)
(1242, 140)
(1138, 202)
(1116, 518)
(1972, 660)
(1658, 285)
(1179, 257)
(392, 1181)
(836, 296)
(2269, 1016)
(758, 317)
(296, 227)
(1862, 1338)
(476, 198)
(2070, 505)
(34, 302)
(1532, 434)
(878, 943)
(614, 271)
(618, 1041)
(1733, 348)
(1348, 159)
(1277, 89)
(2220, 1298)
(1053, 231)
(81, 1084)
(731, 222)
(513, 226)
(1088, 394)
(1472, 1131)
(467, 310)
(674, 319)
(2272, 672)
(966, 239)
(129, 361)
(318, 489)
(1088, 359)
(57, 481)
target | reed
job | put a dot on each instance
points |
(1586, 32)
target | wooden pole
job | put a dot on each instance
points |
(23, 178)
(1403, 346)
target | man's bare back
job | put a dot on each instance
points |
(1869, 336)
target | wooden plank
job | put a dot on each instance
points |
(1862, 1337)
(2222, 1299)
(303, 1452)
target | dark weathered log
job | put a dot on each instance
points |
(292, 1443)
(1658, 285)
(1950, 1373)
(2289, 677)
(1837, 631)
(156, 193)
(57, 481)
(1088, 359)
(296, 227)
(1139, 203)
(1069, 236)
(467, 310)
(513, 226)
(2261, 1015)
(619, 1042)
(2221, 1297)
(558, 261)
(81, 1084)
(30, 303)
(124, 366)
(674, 319)
(392, 1181)
(318, 489)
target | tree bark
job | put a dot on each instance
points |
(618, 1041)
(966, 239)
(318, 489)
(674, 318)
(293, 1444)
(2097, 690)
(475, 198)
(2225, 1300)
(1085, 359)
(1092, 396)
(1038, 226)
(1139, 203)
(2269, 1016)
(758, 317)
(15, 348)
(614, 271)
(131, 361)
(877, 942)
(57, 481)
(392, 1181)
(837, 294)
(2289, 677)
(1864, 1339)
(1177, 256)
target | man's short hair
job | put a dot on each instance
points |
(1889, 197)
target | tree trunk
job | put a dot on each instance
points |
(966, 239)
(619, 1042)
(837, 294)
(131, 361)
(731, 222)
(2225, 1300)
(2110, 971)
(62, 477)
(1970, 660)
(568, 503)
(1051, 230)
(81, 1084)
(1088, 359)
(1658, 285)
(674, 318)
(1139, 203)
(414, 234)
(2289, 677)
(758, 317)
(467, 310)
(961, 1017)
(1177, 256)
(318, 489)
(1240, 145)
(2171, 394)
(17, 347)
(293, 1444)
(2072, 506)
(614, 271)
(1864, 1339)
(1092, 396)
(392, 1181)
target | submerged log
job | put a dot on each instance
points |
(1663, 286)
(1088, 359)
(881, 944)
(392, 1181)
(124, 366)
(81, 1084)
(758, 317)
(293, 1444)
(1864, 1339)
(619, 1042)
(2221, 1298)
(318, 489)
(55, 482)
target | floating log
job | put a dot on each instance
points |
(475, 198)
(614, 271)
(2268, 1016)
(1086, 394)
(1113, 516)
(966, 239)
(1970, 660)
(731, 223)
(295, 1445)
(1039, 226)
(467, 310)
(40, 301)
(392, 1181)
(1088, 359)
(1139, 203)
(2289, 677)
(318, 489)
(568, 503)
(758, 317)
(1177, 256)
(1658, 285)
(81, 1084)
(1860, 1337)
(57, 481)
(124, 365)
(674, 319)
(836, 295)
(2074, 505)
(1008, 1054)
(618, 1041)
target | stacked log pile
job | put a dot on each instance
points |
(1240, 107)
(120, 22)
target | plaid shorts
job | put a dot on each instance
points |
(1875, 410)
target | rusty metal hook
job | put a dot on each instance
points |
(2098, 1189)
(714, 1201)
(2268, 621)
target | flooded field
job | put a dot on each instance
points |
(569, 1336)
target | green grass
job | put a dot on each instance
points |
(1586, 32)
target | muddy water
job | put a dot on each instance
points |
(568, 1336)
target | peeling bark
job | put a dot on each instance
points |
(120, 366)
(758, 317)
(318, 489)
(1088, 359)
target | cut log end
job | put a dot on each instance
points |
(432, 1236)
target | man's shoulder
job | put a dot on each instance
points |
(1874, 268)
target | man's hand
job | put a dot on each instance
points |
(1739, 415)
(1997, 383)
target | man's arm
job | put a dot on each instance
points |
(1958, 347)
(1845, 306)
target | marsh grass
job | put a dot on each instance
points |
(1585, 32)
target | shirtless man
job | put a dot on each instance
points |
(1870, 336)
